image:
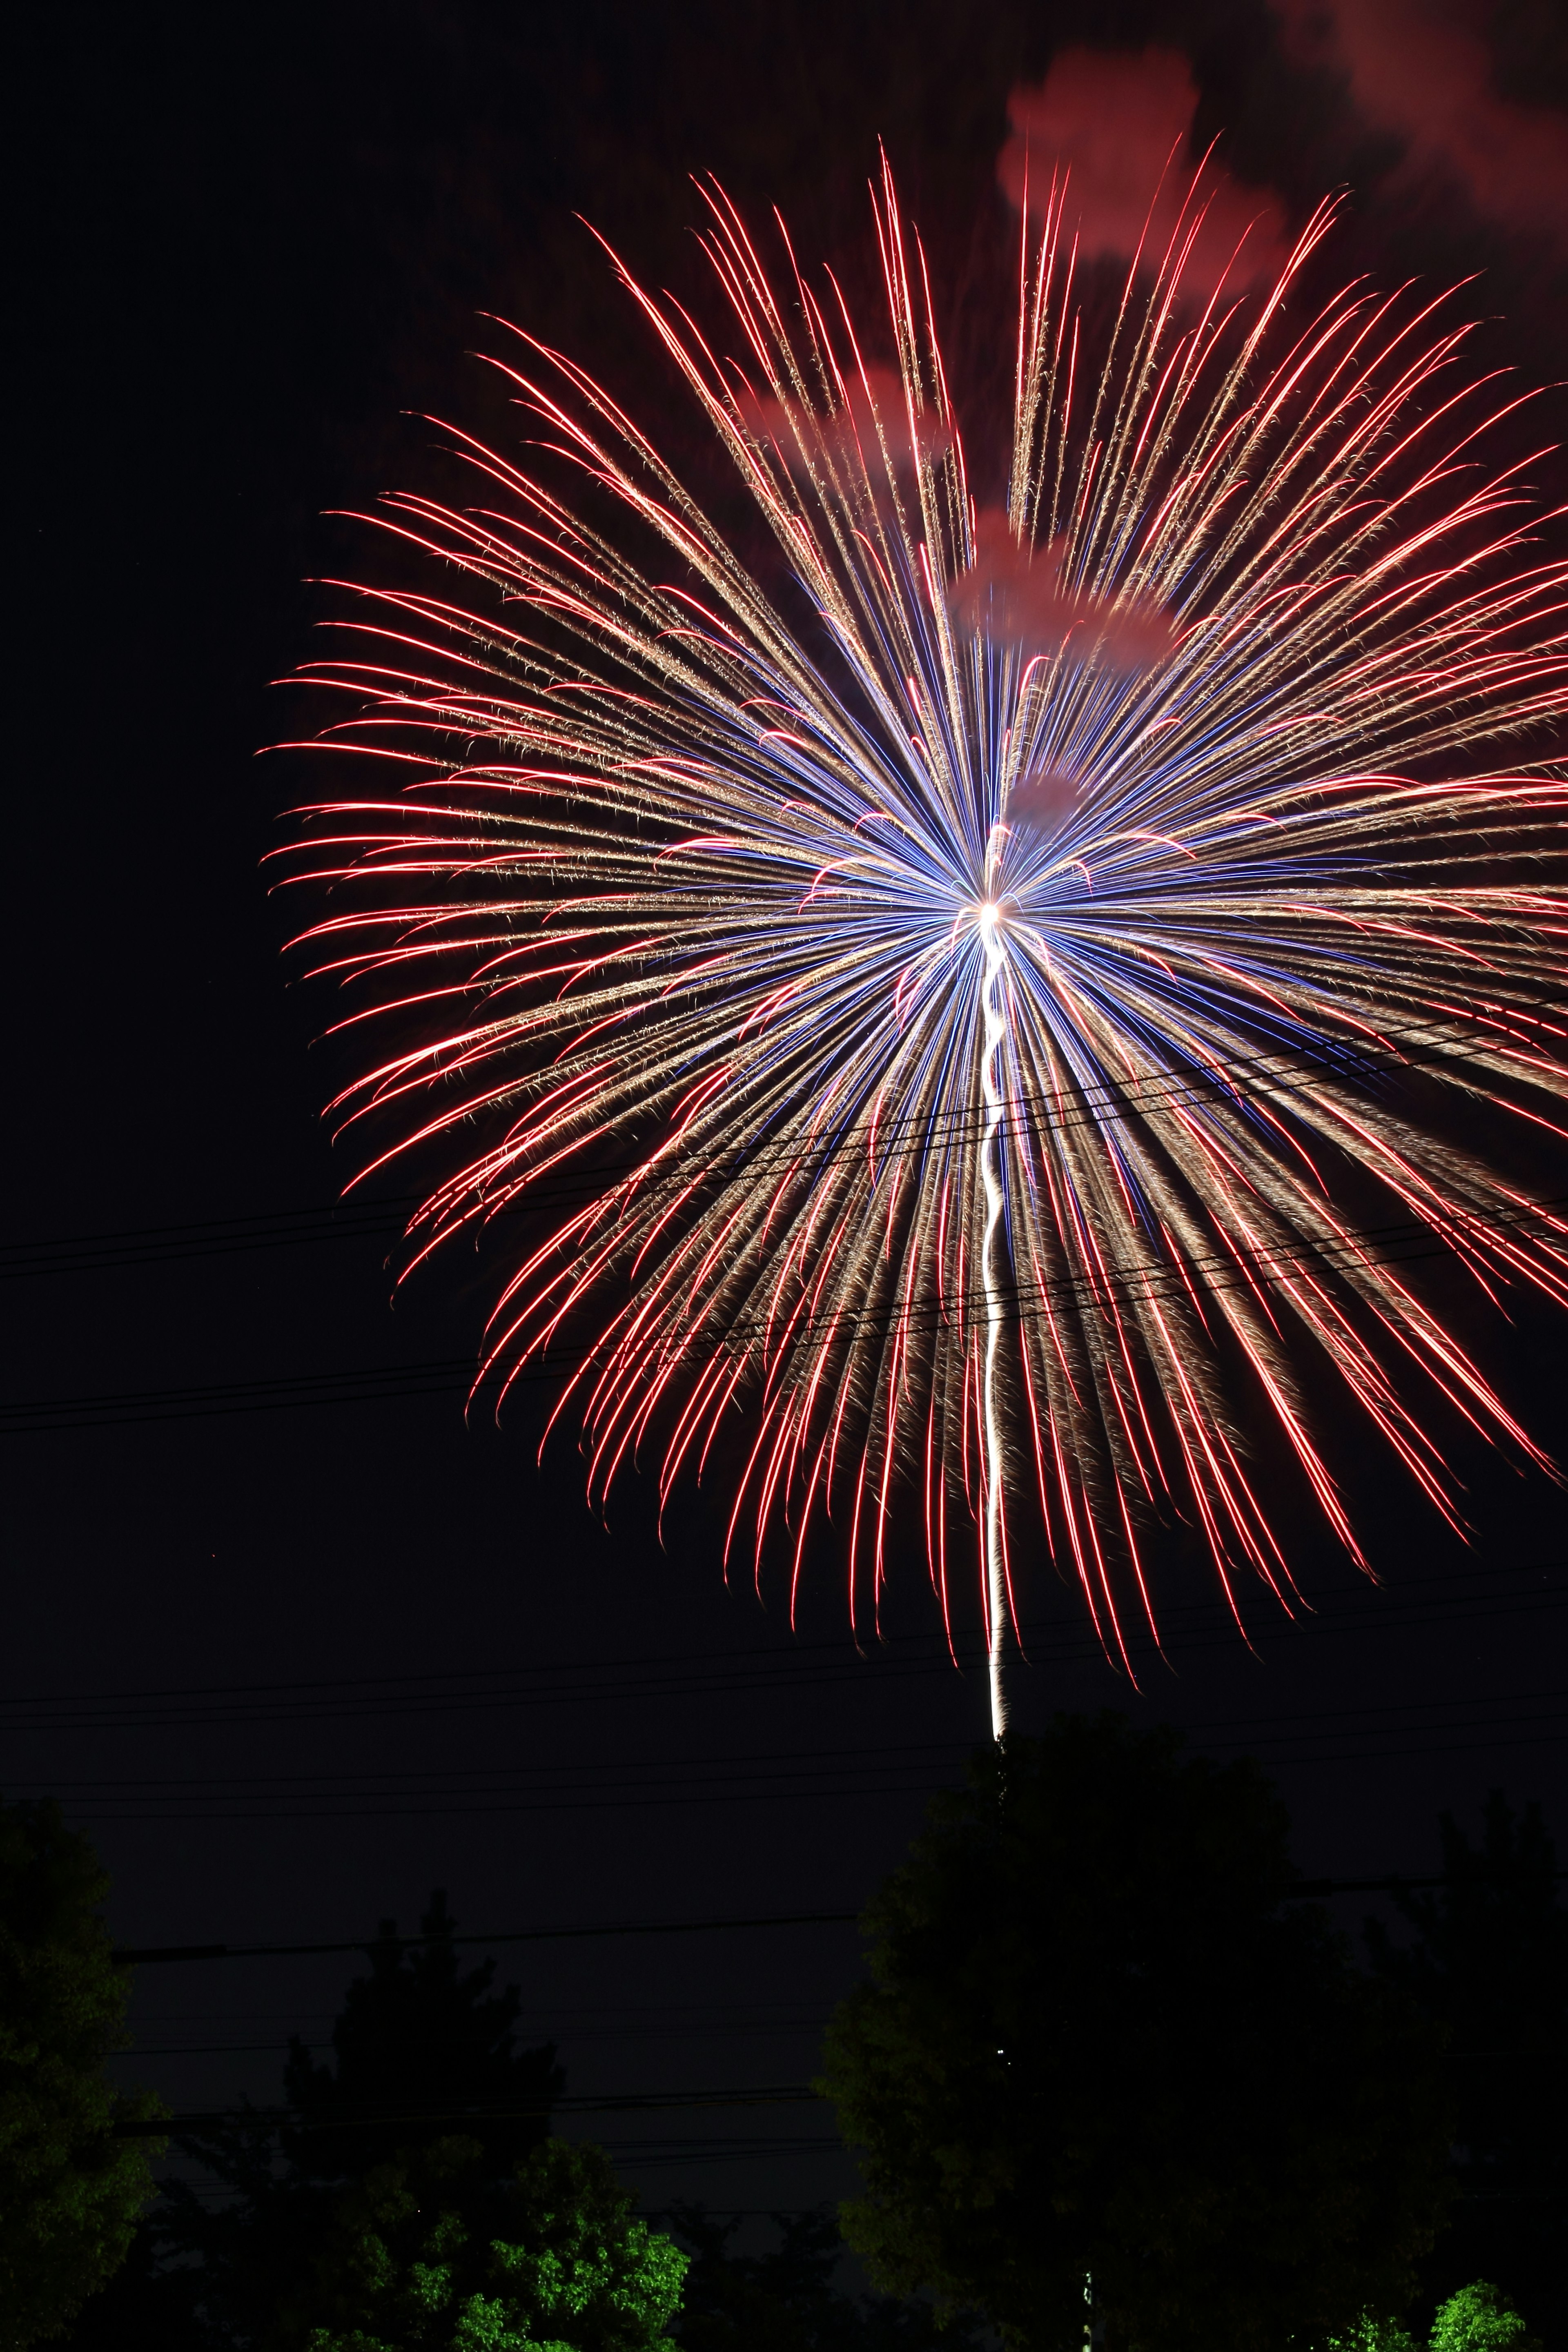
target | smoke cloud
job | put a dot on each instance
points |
(851, 436)
(1043, 805)
(1426, 77)
(1118, 124)
(1016, 597)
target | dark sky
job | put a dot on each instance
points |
(294, 1664)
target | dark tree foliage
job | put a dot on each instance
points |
(243, 2260)
(1489, 1960)
(145, 2307)
(69, 2190)
(432, 2255)
(787, 2301)
(422, 2049)
(1098, 2044)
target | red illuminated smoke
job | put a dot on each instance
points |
(1017, 598)
(1117, 126)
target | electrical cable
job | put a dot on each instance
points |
(806, 1758)
(142, 1955)
(353, 1219)
(731, 1672)
(1403, 1242)
(589, 2103)
(1302, 1890)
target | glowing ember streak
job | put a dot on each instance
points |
(975, 1154)
(993, 1031)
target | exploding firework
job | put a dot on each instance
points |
(963, 1004)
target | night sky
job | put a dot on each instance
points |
(289, 1638)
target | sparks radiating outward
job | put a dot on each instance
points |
(970, 997)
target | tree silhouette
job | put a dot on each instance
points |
(1488, 1963)
(786, 2300)
(69, 2190)
(422, 2051)
(1099, 2045)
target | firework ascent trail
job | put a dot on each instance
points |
(979, 1016)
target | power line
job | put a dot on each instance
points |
(696, 1798)
(815, 1759)
(689, 1674)
(580, 2020)
(209, 1400)
(805, 1758)
(1301, 1890)
(1269, 1267)
(792, 1775)
(694, 1795)
(562, 2036)
(785, 2095)
(810, 1758)
(142, 1956)
(205, 1237)
(712, 2148)
(895, 1138)
(610, 2102)
(724, 1661)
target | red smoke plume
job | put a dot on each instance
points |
(1427, 77)
(1016, 596)
(1118, 124)
(850, 437)
(1043, 803)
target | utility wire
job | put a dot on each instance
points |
(695, 1795)
(787, 2094)
(794, 1778)
(687, 1675)
(1155, 1280)
(896, 1137)
(724, 1661)
(142, 1955)
(1301, 1890)
(559, 2035)
(913, 1752)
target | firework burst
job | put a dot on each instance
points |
(962, 1019)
